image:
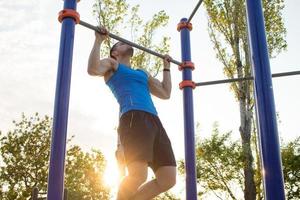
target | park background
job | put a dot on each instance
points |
(29, 45)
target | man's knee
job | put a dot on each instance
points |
(138, 172)
(138, 178)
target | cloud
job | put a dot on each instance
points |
(17, 14)
(29, 46)
(28, 55)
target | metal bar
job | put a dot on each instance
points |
(223, 81)
(61, 107)
(95, 28)
(265, 104)
(189, 130)
(286, 74)
(245, 78)
(194, 11)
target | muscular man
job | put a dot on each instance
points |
(142, 135)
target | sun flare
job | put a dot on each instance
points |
(112, 177)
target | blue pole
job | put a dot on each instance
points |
(61, 108)
(266, 114)
(189, 133)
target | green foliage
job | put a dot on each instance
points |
(84, 174)
(110, 14)
(258, 175)
(25, 156)
(291, 168)
(166, 196)
(274, 24)
(219, 162)
(219, 165)
(228, 32)
(118, 15)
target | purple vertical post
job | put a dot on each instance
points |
(265, 105)
(188, 109)
(61, 107)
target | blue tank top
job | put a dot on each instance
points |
(130, 87)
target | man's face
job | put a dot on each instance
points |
(123, 48)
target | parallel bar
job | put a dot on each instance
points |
(265, 104)
(95, 28)
(245, 78)
(286, 74)
(189, 129)
(61, 109)
(194, 11)
(223, 81)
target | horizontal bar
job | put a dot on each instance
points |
(194, 11)
(245, 78)
(95, 28)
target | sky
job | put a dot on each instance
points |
(29, 44)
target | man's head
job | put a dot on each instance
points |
(120, 49)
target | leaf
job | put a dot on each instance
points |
(25, 155)
(118, 15)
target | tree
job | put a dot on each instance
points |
(219, 162)
(291, 168)
(25, 155)
(84, 175)
(227, 30)
(118, 15)
(257, 159)
(219, 165)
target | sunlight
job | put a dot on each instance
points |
(112, 176)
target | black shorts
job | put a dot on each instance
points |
(144, 139)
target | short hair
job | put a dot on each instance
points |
(112, 49)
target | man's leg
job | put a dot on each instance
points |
(137, 175)
(165, 179)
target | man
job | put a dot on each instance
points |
(141, 133)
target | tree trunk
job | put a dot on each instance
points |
(246, 116)
(258, 177)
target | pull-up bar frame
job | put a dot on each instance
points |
(194, 11)
(95, 28)
(270, 151)
(277, 75)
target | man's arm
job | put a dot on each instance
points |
(162, 89)
(96, 66)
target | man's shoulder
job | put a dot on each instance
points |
(114, 68)
(110, 60)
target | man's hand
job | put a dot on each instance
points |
(167, 60)
(102, 34)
